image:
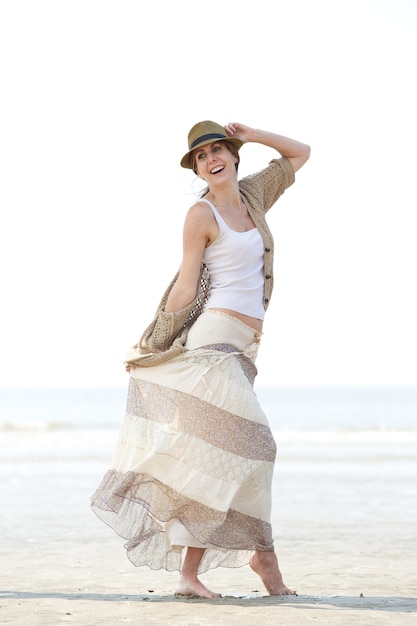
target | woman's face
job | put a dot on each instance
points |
(214, 161)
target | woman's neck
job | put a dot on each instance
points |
(226, 198)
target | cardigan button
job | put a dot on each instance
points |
(266, 300)
(268, 276)
(267, 249)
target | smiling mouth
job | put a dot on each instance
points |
(217, 169)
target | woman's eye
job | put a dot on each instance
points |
(201, 156)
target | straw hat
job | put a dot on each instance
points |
(202, 134)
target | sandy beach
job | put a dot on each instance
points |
(344, 522)
(86, 580)
(60, 564)
(90, 586)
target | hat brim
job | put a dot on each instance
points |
(186, 160)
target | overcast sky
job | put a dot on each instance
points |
(97, 100)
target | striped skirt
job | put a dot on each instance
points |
(194, 459)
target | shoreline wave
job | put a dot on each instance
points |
(37, 426)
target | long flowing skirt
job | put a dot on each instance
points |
(194, 459)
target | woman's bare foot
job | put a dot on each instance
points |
(189, 584)
(193, 587)
(265, 564)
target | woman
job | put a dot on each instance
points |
(190, 486)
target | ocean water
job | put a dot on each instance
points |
(68, 424)
(346, 470)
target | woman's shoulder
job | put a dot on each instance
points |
(200, 213)
(204, 201)
(200, 221)
(201, 207)
(279, 170)
(263, 188)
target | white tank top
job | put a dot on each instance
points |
(235, 262)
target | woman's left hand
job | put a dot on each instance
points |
(298, 153)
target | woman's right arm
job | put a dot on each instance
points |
(199, 231)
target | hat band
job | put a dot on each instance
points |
(205, 137)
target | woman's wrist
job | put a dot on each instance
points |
(255, 135)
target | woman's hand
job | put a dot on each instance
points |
(298, 153)
(240, 131)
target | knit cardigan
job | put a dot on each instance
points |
(260, 191)
(165, 337)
